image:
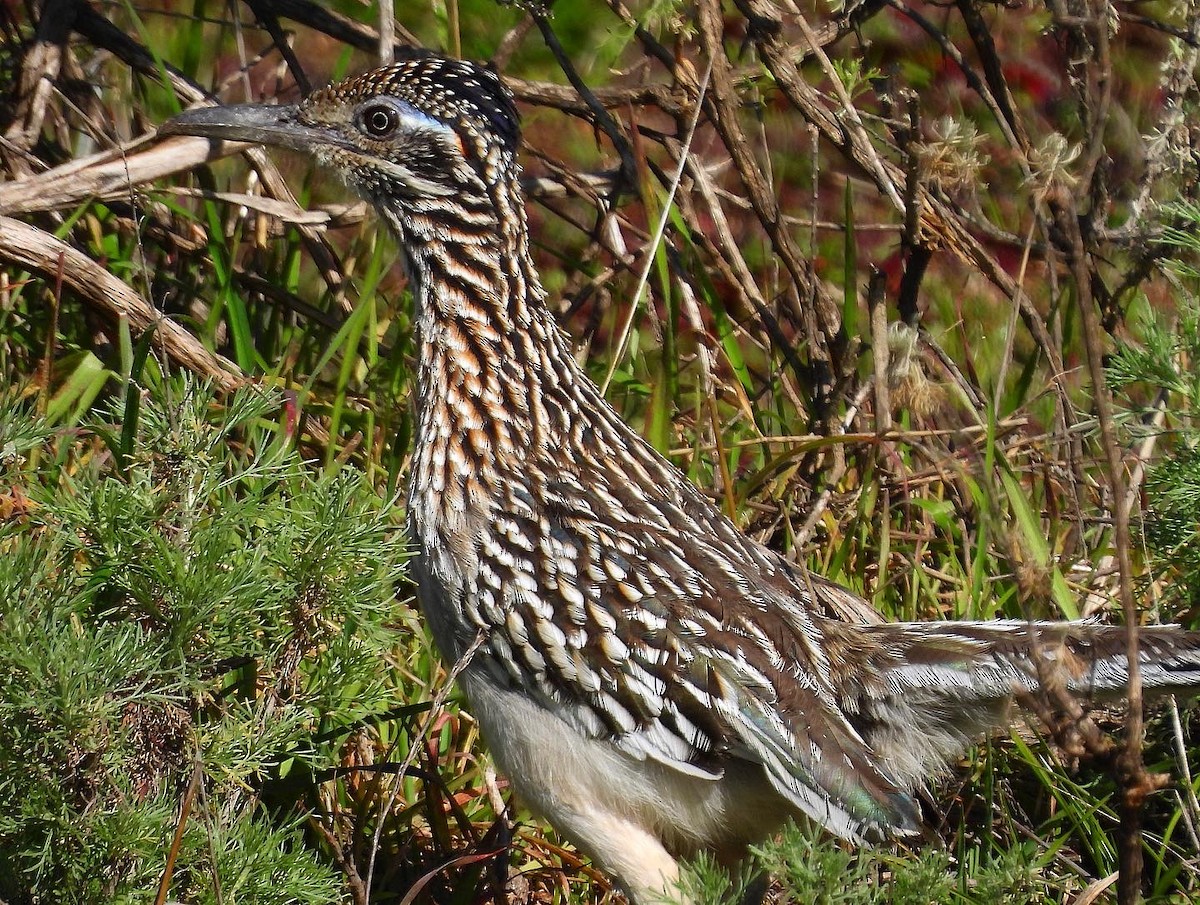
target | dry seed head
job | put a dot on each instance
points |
(1050, 163)
(952, 157)
(909, 385)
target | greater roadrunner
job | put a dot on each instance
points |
(651, 680)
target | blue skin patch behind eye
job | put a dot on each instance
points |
(409, 112)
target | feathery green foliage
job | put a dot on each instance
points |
(814, 870)
(210, 609)
(1160, 375)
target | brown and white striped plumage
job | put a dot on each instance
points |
(651, 679)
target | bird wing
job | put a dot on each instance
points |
(636, 620)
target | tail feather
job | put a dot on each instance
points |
(935, 687)
(981, 660)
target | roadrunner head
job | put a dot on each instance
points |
(425, 127)
(432, 144)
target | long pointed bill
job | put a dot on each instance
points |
(265, 124)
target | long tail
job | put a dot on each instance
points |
(935, 687)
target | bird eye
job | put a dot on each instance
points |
(379, 120)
